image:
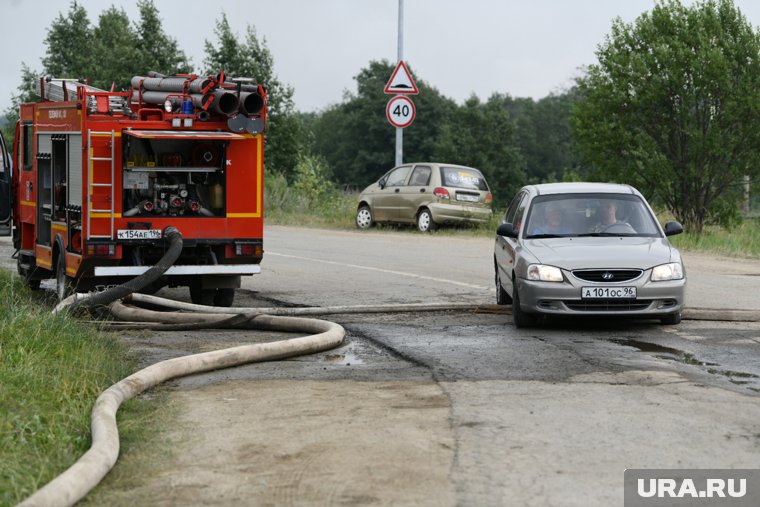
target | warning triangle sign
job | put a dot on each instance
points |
(401, 81)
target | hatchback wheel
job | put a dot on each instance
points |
(521, 318)
(425, 221)
(364, 217)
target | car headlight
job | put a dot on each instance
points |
(670, 271)
(542, 273)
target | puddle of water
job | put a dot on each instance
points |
(671, 354)
(729, 373)
(647, 347)
(347, 358)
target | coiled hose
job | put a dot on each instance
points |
(75, 482)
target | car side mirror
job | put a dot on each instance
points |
(507, 230)
(381, 184)
(672, 228)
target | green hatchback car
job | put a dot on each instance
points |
(427, 194)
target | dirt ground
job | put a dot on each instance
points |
(280, 443)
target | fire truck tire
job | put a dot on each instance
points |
(62, 282)
(201, 296)
(25, 274)
(224, 297)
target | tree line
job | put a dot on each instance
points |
(672, 106)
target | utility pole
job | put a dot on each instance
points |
(745, 204)
(400, 131)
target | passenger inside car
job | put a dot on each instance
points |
(553, 221)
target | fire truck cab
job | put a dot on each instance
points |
(97, 176)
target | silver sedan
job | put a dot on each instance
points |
(587, 249)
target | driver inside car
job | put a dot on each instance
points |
(607, 213)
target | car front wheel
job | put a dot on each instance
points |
(502, 298)
(672, 319)
(425, 221)
(364, 217)
(522, 319)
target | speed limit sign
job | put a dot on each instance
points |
(400, 111)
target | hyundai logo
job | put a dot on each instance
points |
(608, 276)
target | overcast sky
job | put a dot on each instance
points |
(523, 48)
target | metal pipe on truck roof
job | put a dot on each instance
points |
(225, 102)
(251, 103)
(172, 84)
(158, 98)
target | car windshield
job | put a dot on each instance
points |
(580, 215)
(462, 177)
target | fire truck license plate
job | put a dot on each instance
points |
(138, 234)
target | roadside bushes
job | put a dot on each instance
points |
(311, 199)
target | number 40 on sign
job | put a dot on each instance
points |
(400, 111)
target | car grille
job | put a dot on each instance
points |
(607, 275)
(609, 305)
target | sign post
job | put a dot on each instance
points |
(400, 110)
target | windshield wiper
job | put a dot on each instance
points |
(543, 236)
(606, 234)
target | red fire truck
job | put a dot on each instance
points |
(96, 176)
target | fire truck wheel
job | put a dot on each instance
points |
(224, 297)
(24, 273)
(202, 296)
(62, 282)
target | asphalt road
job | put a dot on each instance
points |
(452, 408)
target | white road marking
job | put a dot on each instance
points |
(379, 270)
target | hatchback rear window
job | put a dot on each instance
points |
(460, 177)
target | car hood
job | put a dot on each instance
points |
(604, 252)
(371, 189)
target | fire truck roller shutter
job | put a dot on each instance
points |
(74, 177)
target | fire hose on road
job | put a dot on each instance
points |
(72, 485)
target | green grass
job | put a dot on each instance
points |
(741, 241)
(52, 368)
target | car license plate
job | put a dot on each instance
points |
(138, 234)
(608, 292)
(467, 198)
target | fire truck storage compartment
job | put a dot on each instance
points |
(175, 173)
(54, 164)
